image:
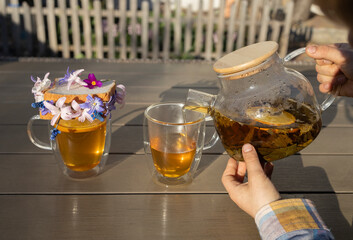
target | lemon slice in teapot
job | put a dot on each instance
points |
(270, 116)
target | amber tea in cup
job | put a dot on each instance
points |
(81, 148)
(81, 145)
(178, 159)
(173, 142)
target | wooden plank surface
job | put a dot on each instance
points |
(97, 8)
(40, 28)
(220, 30)
(265, 20)
(177, 24)
(188, 29)
(133, 26)
(4, 30)
(122, 29)
(76, 32)
(39, 202)
(209, 31)
(231, 27)
(15, 25)
(87, 29)
(111, 30)
(284, 41)
(176, 216)
(155, 29)
(145, 30)
(255, 5)
(242, 26)
(129, 173)
(64, 29)
(28, 33)
(199, 29)
(52, 33)
(166, 33)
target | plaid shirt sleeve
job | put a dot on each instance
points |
(291, 219)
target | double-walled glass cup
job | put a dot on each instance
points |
(173, 142)
(81, 149)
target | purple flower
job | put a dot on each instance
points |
(109, 106)
(44, 110)
(65, 78)
(120, 98)
(92, 81)
(54, 133)
(93, 104)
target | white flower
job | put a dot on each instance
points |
(40, 86)
(81, 114)
(74, 78)
(59, 110)
(85, 115)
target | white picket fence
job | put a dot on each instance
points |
(162, 30)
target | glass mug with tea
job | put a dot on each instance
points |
(80, 126)
(173, 142)
(261, 102)
(81, 149)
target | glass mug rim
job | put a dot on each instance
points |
(201, 119)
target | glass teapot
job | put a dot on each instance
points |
(261, 102)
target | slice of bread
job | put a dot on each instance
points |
(78, 93)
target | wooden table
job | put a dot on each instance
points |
(38, 202)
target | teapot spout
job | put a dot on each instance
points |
(199, 101)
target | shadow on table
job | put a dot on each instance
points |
(312, 182)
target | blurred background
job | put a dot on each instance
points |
(158, 29)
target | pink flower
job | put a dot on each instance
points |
(81, 114)
(92, 81)
(40, 86)
(74, 78)
(59, 110)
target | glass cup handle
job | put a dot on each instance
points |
(212, 141)
(214, 137)
(33, 138)
(330, 97)
(202, 99)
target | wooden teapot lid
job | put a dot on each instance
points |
(245, 58)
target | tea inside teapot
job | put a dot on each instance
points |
(274, 136)
(261, 102)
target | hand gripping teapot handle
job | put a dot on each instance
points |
(330, 97)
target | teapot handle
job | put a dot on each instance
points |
(330, 97)
(196, 99)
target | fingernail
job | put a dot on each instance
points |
(326, 86)
(328, 62)
(247, 148)
(311, 49)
